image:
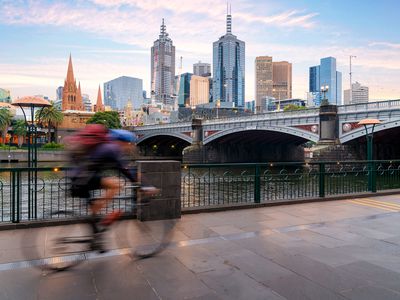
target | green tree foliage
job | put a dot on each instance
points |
(290, 107)
(19, 129)
(51, 117)
(5, 121)
(110, 119)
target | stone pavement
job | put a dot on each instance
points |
(348, 249)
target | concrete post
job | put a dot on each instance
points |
(328, 124)
(165, 175)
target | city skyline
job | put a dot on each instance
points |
(40, 36)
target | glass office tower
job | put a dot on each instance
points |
(229, 68)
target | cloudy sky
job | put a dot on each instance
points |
(111, 38)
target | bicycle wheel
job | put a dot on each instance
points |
(143, 239)
(60, 247)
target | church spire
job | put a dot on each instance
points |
(99, 103)
(70, 72)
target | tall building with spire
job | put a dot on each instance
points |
(163, 68)
(229, 68)
(72, 95)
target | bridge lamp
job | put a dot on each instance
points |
(324, 90)
(369, 125)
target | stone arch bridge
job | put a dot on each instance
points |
(274, 136)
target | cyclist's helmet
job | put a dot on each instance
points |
(123, 135)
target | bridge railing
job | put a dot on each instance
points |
(231, 184)
(369, 106)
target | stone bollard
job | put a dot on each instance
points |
(165, 175)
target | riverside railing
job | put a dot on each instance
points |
(230, 184)
(202, 186)
(49, 192)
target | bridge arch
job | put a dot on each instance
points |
(360, 132)
(181, 136)
(314, 137)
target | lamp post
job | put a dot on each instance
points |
(217, 105)
(370, 124)
(31, 103)
(324, 90)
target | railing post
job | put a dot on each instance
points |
(373, 177)
(321, 180)
(257, 184)
(15, 195)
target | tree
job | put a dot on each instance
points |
(19, 129)
(51, 117)
(290, 107)
(110, 119)
(5, 121)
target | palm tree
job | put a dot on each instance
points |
(51, 117)
(5, 121)
(19, 129)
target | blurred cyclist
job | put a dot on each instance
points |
(105, 155)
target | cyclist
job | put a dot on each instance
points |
(87, 175)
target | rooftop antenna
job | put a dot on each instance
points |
(228, 20)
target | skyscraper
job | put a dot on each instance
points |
(163, 68)
(326, 75)
(202, 69)
(199, 90)
(118, 91)
(282, 80)
(183, 89)
(229, 68)
(360, 94)
(72, 95)
(264, 81)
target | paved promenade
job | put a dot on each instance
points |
(347, 249)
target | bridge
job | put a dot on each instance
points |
(273, 135)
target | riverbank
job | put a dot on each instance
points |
(22, 155)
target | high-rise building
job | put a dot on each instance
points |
(199, 90)
(202, 69)
(5, 96)
(282, 80)
(183, 89)
(229, 68)
(163, 68)
(86, 102)
(325, 75)
(264, 81)
(72, 95)
(360, 94)
(59, 93)
(118, 91)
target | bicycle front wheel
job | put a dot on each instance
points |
(60, 247)
(143, 239)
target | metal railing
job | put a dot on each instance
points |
(225, 184)
(25, 198)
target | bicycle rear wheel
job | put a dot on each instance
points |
(60, 247)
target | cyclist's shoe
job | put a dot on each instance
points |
(110, 218)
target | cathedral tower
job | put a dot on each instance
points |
(72, 95)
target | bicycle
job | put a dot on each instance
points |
(58, 248)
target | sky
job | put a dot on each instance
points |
(112, 38)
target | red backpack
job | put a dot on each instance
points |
(85, 140)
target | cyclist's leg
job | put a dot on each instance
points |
(111, 185)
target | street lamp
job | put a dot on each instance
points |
(324, 90)
(370, 124)
(32, 103)
(217, 105)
